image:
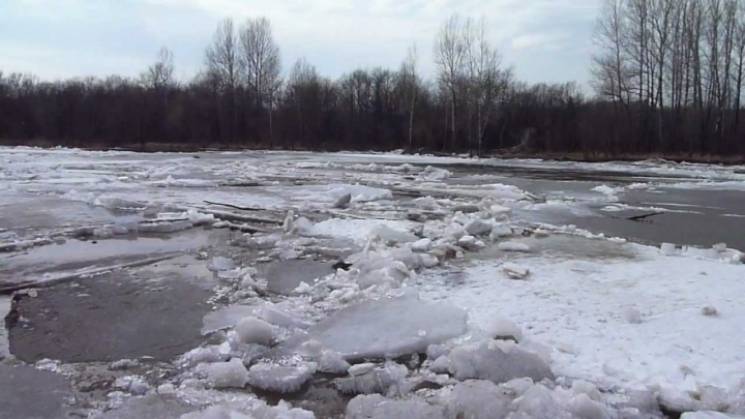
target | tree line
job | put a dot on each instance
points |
(668, 79)
(672, 71)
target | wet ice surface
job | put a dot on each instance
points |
(163, 285)
(73, 255)
(389, 328)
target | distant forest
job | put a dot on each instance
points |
(667, 77)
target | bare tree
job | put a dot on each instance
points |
(612, 75)
(223, 67)
(409, 80)
(222, 56)
(740, 57)
(485, 78)
(261, 63)
(160, 74)
(303, 93)
(450, 54)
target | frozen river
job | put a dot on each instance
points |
(219, 283)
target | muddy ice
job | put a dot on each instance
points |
(237, 285)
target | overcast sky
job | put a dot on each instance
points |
(544, 40)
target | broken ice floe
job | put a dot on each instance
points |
(280, 378)
(230, 374)
(497, 361)
(389, 328)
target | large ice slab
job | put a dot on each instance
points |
(389, 328)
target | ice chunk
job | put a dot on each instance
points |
(478, 228)
(256, 409)
(422, 245)
(477, 399)
(343, 201)
(498, 210)
(426, 202)
(253, 330)
(123, 364)
(358, 230)
(360, 369)
(709, 415)
(500, 230)
(389, 327)
(133, 384)
(584, 387)
(388, 379)
(441, 365)
(225, 317)
(225, 374)
(392, 235)
(609, 192)
(497, 361)
(513, 246)
(470, 243)
(164, 226)
(376, 406)
(206, 354)
(508, 192)
(538, 403)
(515, 271)
(429, 261)
(404, 168)
(359, 193)
(301, 226)
(332, 362)
(280, 378)
(216, 412)
(433, 173)
(501, 328)
(277, 317)
(120, 204)
(198, 218)
(583, 407)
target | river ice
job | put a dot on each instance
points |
(442, 287)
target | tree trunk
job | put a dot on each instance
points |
(452, 121)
